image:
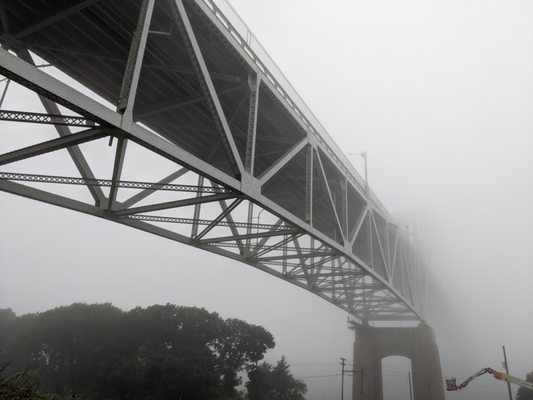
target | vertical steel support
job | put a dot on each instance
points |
(135, 59)
(369, 233)
(4, 92)
(309, 185)
(206, 83)
(197, 209)
(344, 185)
(312, 259)
(254, 82)
(284, 266)
(249, 228)
(122, 144)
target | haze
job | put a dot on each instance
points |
(440, 95)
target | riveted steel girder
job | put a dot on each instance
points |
(253, 148)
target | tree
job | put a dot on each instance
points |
(523, 393)
(241, 347)
(274, 383)
(158, 352)
(19, 387)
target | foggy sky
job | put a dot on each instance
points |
(440, 95)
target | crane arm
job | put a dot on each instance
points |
(512, 379)
(452, 385)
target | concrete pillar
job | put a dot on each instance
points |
(425, 363)
(367, 367)
(418, 344)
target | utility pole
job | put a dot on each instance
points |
(343, 363)
(507, 372)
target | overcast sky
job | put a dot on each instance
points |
(440, 95)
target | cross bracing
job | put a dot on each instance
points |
(254, 176)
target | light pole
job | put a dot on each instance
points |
(343, 363)
(364, 155)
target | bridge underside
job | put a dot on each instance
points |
(176, 127)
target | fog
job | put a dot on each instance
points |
(440, 95)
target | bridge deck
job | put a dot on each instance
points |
(178, 78)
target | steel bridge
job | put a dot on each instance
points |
(250, 172)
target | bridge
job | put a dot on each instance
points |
(251, 174)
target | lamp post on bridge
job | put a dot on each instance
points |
(363, 154)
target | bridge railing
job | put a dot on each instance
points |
(231, 20)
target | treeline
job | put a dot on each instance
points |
(160, 352)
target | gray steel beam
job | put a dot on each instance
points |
(254, 81)
(292, 256)
(153, 188)
(192, 221)
(208, 89)
(197, 209)
(130, 80)
(309, 185)
(278, 245)
(53, 145)
(380, 245)
(360, 223)
(43, 118)
(330, 196)
(268, 234)
(174, 204)
(4, 91)
(281, 162)
(222, 215)
(120, 154)
(231, 222)
(69, 180)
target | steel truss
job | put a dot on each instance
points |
(367, 266)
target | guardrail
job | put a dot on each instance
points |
(242, 34)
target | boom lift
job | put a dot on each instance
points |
(452, 385)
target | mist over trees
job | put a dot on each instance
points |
(160, 352)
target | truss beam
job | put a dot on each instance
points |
(53, 145)
(175, 204)
(68, 180)
(293, 248)
(45, 118)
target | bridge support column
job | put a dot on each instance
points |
(418, 344)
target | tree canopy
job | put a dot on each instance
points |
(267, 382)
(158, 352)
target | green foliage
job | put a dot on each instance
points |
(19, 387)
(158, 352)
(523, 393)
(274, 383)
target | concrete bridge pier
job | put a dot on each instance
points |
(417, 344)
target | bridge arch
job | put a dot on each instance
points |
(396, 376)
(418, 344)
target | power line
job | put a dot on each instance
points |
(317, 376)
